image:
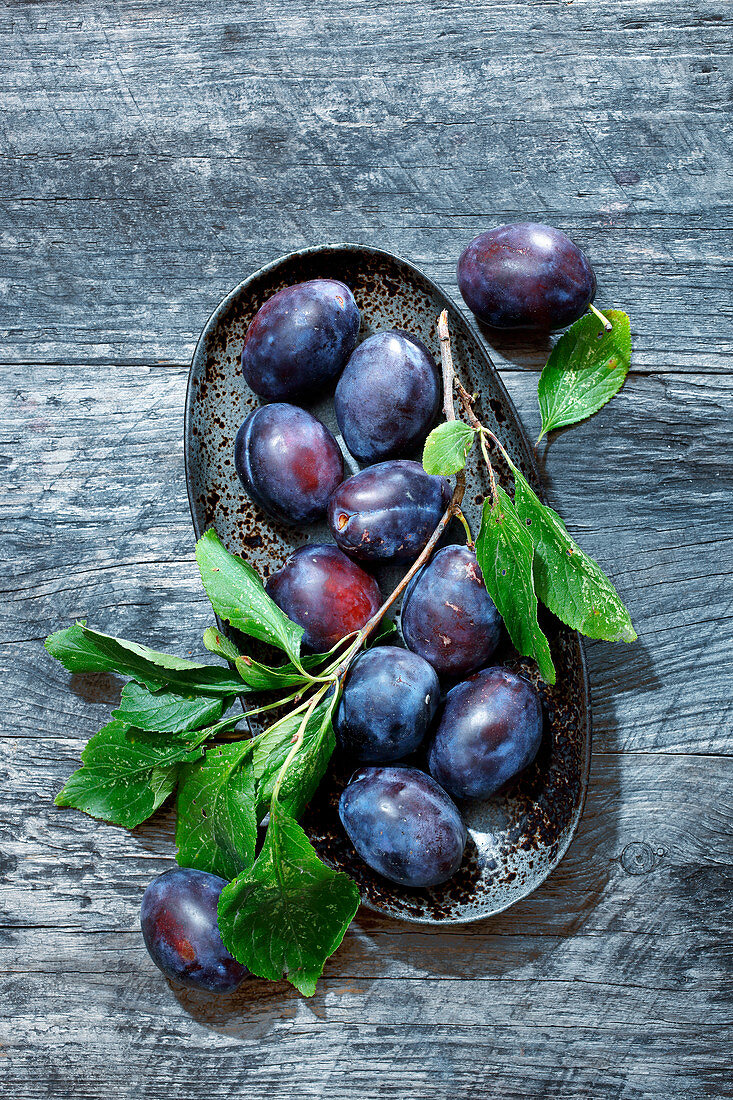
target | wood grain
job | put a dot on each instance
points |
(158, 154)
(94, 467)
(154, 154)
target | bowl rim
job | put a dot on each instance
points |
(471, 330)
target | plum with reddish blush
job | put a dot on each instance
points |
(525, 275)
(326, 593)
(448, 617)
(288, 462)
(179, 925)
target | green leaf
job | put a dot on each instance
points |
(80, 649)
(446, 448)
(504, 550)
(238, 595)
(166, 711)
(571, 584)
(306, 769)
(259, 677)
(218, 643)
(290, 912)
(587, 366)
(127, 774)
(216, 828)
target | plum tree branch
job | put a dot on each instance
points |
(453, 509)
(446, 357)
(297, 740)
(336, 674)
(450, 378)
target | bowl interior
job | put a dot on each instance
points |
(519, 835)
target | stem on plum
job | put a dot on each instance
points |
(604, 320)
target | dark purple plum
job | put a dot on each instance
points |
(300, 339)
(387, 512)
(178, 920)
(326, 593)
(288, 462)
(448, 616)
(525, 276)
(403, 825)
(388, 396)
(389, 700)
(489, 731)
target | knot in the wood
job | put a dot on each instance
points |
(637, 858)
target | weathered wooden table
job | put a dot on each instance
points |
(154, 153)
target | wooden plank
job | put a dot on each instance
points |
(154, 154)
(96, 514)
(157, 154)
(139, 305)
(204, 1053)
(511, 1037)
(547, 995)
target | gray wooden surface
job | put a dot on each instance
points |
(154, 153)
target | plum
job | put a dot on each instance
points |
(448, 616)
(288, 462)
(387, 512)
(525, 276)
(300, 340)
(403, 825)
(179, 926)
(326, 593)
(389, 699)
(490, 730)
(387, 397)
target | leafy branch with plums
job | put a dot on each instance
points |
(250, 893)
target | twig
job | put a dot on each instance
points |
(297, 740)
(446, 357)
(369, 628)
(487, 460)
(467, 402)
(464, 522)
(337, 672)
(450, 378)
(488, 432)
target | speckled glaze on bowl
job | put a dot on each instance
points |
(517, 837)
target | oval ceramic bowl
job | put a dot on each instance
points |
(517, 837)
